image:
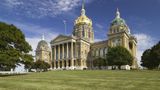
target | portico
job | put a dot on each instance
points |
(65, 54)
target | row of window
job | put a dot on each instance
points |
(100, 52)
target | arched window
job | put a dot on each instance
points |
(105, 51)
(114, 31)
(83, 33)
(97, 52)
(117, 30)
(89, 34)
(101, 52)
(130, 45)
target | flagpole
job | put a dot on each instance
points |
(65, 26)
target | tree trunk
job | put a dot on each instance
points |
(119, 67)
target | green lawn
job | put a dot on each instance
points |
(83, 80)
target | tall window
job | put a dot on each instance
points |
(83, 31)
(89, 34)
(101, 52)
(116, 42)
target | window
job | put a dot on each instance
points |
(97, 52)
(101, 53)
(116, 42)
(130, 45)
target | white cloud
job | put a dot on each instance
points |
(12, 3)
(98, 39)
(99, 26)
(40, 8)
(34, 32)
(34, 41)
(144, 42)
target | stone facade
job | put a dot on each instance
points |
(118, 35)
(79, 50)
(43, 51)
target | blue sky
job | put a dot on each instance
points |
(35, 17)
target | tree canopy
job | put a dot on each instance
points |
(151, 57)
(40, 65)
(119, 56)
(99, 62)
(13, 47)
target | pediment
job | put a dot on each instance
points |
(61, 38)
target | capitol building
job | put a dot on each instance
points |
(77, 51)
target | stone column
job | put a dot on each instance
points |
(54, 57)
(76, 56)
(123, 41)
(62, 56)
(58, 56)
(67, 56)
(72, 62)
(81, 32)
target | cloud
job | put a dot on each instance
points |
(99, 26)
(12, 3)
(34, 41)
(144, 42)
(97, 40)
(34, 32)
(41, 8)
(38, 30)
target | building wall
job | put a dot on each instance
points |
(44, 56)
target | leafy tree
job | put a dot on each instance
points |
(119, 56)
(40, 65)
(28, 61)
(13, 47)
(99, 62)
(151, 57)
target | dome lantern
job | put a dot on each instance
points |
(118, 20)
(42, 38)
(42, 45)
(118, 13)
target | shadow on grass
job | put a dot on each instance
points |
(7, 75)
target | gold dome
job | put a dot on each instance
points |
(83, 19)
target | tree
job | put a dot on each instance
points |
(151, 57)
(13, 47)
(40, 65)
(99, 62)
(28, 61)
(119, 56)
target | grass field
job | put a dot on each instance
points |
(83, 80)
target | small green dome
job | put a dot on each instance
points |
(118, 21)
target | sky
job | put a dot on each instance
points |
(37, 17)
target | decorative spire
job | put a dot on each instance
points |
(83, 4)
(83, 10)
(117, 13)
(42, 36)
